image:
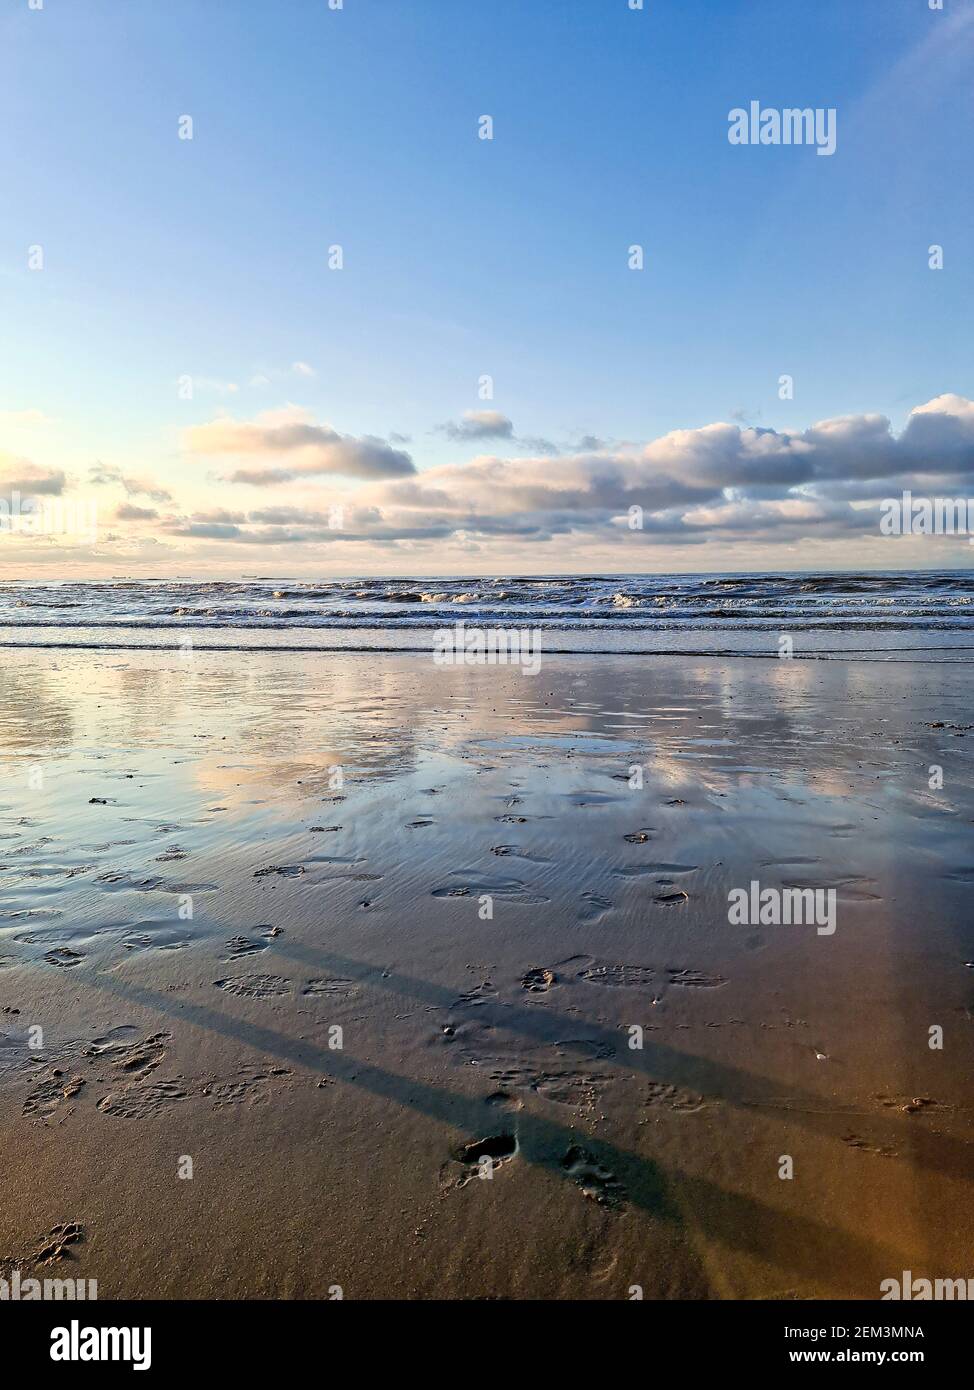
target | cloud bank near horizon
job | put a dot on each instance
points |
(721, 483)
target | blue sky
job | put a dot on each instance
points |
(462, 257)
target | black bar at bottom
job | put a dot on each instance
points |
(110, 1338)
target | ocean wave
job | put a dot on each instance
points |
(676, 603)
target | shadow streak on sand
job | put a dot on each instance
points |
(713, 1080)
(786, 1240)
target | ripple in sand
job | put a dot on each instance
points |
(36, 914)
(645, 870)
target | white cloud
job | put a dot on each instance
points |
(310, 449)
(479, 424)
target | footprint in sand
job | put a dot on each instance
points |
(909, 1105)
(477, 995)
(116, 1038)
(64, 957)
(332, 986)
(54, 1087)
(594, 907)
(142, 1100)
(696, 979)
(538, 981)
(619, 976)
(250, 1086)
(514, 852)
(866, 1146)
(255, 986)
(503, 1100)
(482, 1157)
(116, 879)
(139, 1059)
(243, 946)
(56, 1245)
(558, 1073)
(647, 870)
(509, 890)
(661, 1094)
(596, 1181)
(139, 941)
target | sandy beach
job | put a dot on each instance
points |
(441, 999)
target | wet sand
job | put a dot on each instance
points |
(482, 1037)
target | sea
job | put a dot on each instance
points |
(926, 615)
